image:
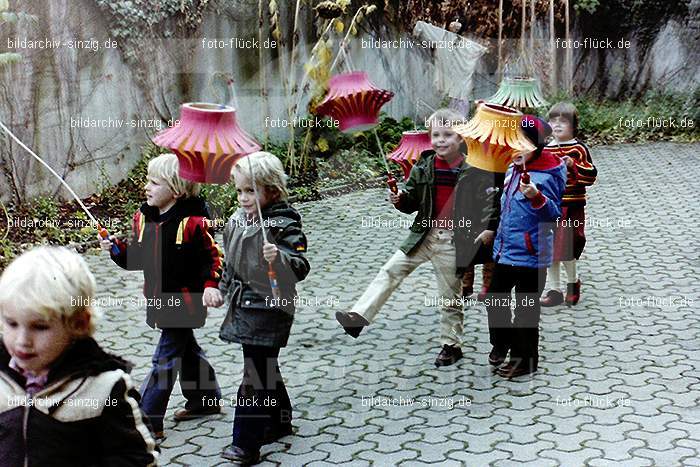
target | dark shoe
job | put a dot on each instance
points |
(468, 283)
(510, 371)
(279, 433)
(552, 298)
(185, 414)
(352, 322)
(573, 293)
(159, 437)
(448, 355)
(497, 356)
(241, 456)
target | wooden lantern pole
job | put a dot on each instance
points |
(500, 34)
(569, 69)
(532, 25)
(552, 50)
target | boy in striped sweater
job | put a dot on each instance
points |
(570, 237)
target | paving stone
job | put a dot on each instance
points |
(607, 346)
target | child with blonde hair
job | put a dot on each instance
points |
(171, 243)
(63, 400)
(260, 318)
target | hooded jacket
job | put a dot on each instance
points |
(525, 235)
(254, 316)
(86, 415)
(179, 259)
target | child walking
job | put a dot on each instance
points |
(523, 251)
(171, 242)
(569, 236)
(258, 318)
(63, 400)
(430, 190)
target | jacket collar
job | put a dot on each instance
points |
(183, 207)
(82, 359)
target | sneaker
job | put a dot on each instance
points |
(497, 356)
(186, 414)
(241, 456)
(552, 298)
(573, 293)
(448, 355)
(352, 322)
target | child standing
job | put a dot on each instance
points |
(523, 251)
(569, 237)
(63, 400)
(171, 242)
(430, 190)
(258, 319)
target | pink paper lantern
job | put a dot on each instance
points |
(407, 153)
(354, 101)
(207, 142)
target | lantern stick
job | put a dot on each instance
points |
(102, 231)
(271, 274)
(532, 25)
(552, 49)
(345, 39)
(500, 33)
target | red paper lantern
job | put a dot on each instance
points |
(412, 144)
(354, 101)
(207, 142)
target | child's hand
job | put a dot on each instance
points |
(529, 190)
(486, 237)
(212, 297)
(395, 197)
(269, 252)
(568, 161)
(106, 243)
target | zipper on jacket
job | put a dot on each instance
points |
(25, 423)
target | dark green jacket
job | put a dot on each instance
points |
(477, 194)
(419, 196)
(254, 316)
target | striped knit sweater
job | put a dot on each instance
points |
(581, 175)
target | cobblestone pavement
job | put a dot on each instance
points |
(619, 379)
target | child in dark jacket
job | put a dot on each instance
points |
(439, 189)
(171, 242)
(63, 400)
(530, 204)
(258, 318)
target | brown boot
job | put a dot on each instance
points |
(486, 276)
(468, 282)
(573, 293)
(552, 298)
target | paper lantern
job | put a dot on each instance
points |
(207, 142)
(354, 101)
(493, 137)
(519, 92)
(407, 153)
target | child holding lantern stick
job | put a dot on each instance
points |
(265, 230)
(436, 190)
(171, 242)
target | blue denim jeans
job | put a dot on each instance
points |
(178, 353)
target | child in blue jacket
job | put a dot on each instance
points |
(523, 252)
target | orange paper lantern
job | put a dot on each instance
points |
(207, 142)
(493, 137)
